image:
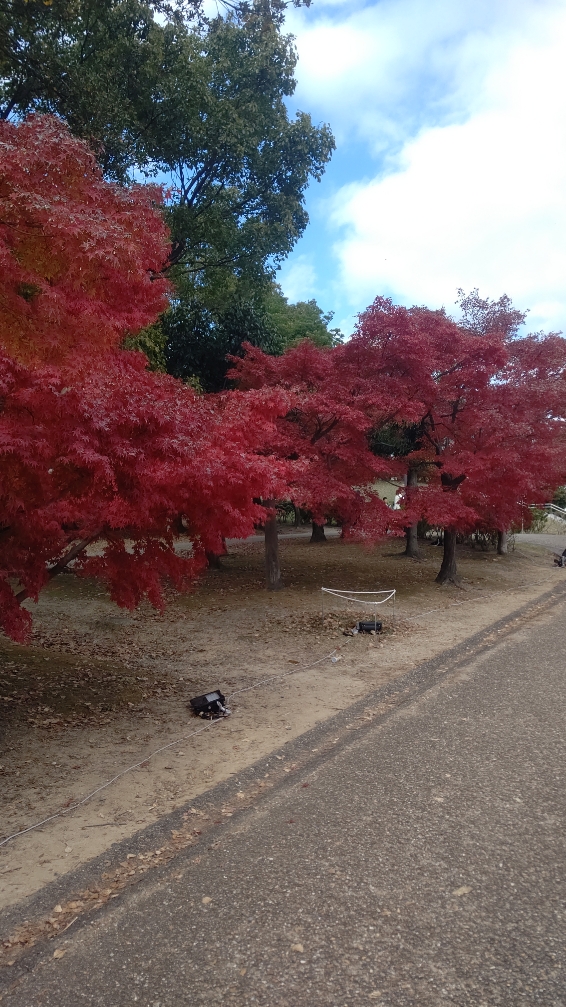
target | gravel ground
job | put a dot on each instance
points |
(421, 863)
(100, 689)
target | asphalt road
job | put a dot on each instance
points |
(422, 863)
(553, 542)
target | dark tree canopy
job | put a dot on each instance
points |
(197, 342)
(240, 165)
(92, 62)
(198, 101)
(196, 338)
(160, 91)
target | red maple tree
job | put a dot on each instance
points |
(332, 406)
(92, 445)
(487, 432)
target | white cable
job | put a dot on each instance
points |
(358, 599)
(164, 748)
(466, 601)
(345, 595)
(73, 807)
(276, 678)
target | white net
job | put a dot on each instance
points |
(365, 599)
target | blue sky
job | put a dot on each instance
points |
(450, 168)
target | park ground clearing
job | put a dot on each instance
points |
(99, 689)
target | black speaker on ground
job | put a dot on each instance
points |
(372, 626)
(210, 706)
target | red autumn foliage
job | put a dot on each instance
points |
(77, 254)
(324, 431)
(93, 447)
(132, 459)
(488, 426)
(480, 413)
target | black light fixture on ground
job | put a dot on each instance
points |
(210, 706)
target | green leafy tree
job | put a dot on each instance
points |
(92, 62)
(303, 320)
(197, 342)
(196, 335)
(200, 102)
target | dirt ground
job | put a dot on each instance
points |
(100, 689)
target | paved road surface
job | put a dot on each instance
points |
(556, 543)
(423, 863)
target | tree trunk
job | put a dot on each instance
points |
(63, 563)
(502, 542)
(448, 571)
(213, 560)
(318, 533)
(411, 537)
(411, 542)
(272, 567)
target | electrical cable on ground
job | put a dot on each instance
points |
(186, 737)
(248, 688)
(454, 604)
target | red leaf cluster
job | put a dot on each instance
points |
(133, 459)
(486, 414)
(323, 435)
(93, 447)
(96, 449)
(77, 255)
(489, 411)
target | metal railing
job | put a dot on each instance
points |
(556, 511)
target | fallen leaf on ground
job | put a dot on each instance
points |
(206, 900)
(59, 953)
(297, 947)
(464, 890)
(243, 972)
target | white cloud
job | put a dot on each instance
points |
(479, 202)
(298, 279)
(383, 69)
